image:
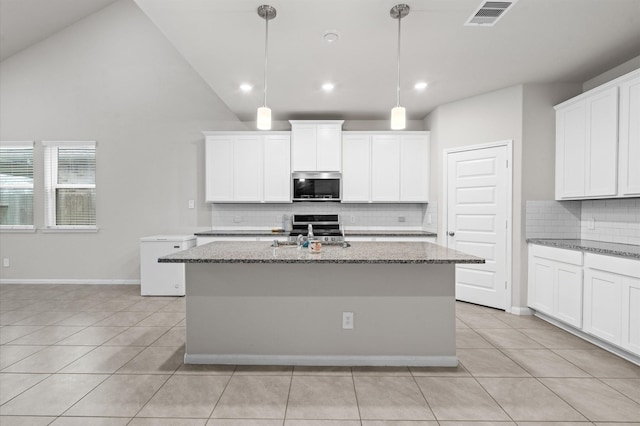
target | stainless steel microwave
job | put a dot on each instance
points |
(316, 186)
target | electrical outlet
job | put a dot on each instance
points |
(192, 204)
(353, 219)
(5, 262)
(591, 224)
(347, 320)
(402, 218)
(237, 219)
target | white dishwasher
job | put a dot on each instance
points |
(162, 279)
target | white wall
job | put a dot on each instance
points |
(620, 70)
(376, 125)
(113, 78)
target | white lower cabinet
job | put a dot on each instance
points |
(612, 300)
(605, 304)
(555, 283)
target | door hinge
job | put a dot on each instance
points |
(505, 285)
(507, 164)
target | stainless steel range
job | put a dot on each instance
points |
(325, 227)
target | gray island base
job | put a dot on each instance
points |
(248, 303)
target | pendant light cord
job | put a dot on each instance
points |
(266, 51)
(399, 35)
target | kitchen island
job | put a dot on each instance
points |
(249, 303)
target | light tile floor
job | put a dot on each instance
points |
(103, 355)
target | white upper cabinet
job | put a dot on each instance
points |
(316, 145)
(630, 137)
(385, 167)
(247, 167)
(598, 142)
(356, 168)
(414, 168)
(277, 168)
(586, 146)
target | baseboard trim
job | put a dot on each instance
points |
(521, 310)
(591, 339)
(324, 360)
(68, 281)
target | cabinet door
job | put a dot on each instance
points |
(247, 169)
(541, 277)
(571, 128)
(219, 168)
(328, 147)
(414, 168)
(277, 169)
(385, 168)
(356, 168)
(303, 147)
(602, 147)
(603, 305)
(631, 314)
(568, 293)
(629, 157)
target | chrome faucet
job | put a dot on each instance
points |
(310, 233)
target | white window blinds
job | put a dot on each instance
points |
(16, 185)
(70, 184)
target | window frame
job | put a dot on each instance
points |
(51, 185)
(21, 145)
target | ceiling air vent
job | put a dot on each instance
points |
(489, 13)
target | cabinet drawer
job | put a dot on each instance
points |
(572, 257)
(618, 265)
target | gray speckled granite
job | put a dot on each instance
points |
(359, 252)
(269, 233)
(600, 247)
(389, 233)
(241, 233)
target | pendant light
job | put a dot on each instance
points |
(398, 113)
(267, 13)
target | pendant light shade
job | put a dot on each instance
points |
(398, 118)
(398, 114)
(264, 118)
(267, 13)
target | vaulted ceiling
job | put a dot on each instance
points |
(537, 41)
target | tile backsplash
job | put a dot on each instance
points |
(614, 220)
(353, 216)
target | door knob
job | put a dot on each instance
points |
(451, 234)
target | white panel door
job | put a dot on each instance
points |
(571, 136)
(414, 168)
(356, 168)
(219, 168)
(303, 147)
(277, 168)
(602, 148)
(603, 305)
(477, 211)
(328, 147)
(247, 168)
(385, 168)
(630, 138)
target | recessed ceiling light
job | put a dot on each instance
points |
(421, 85)
(328, 87)
(246, 87)
(330, 36)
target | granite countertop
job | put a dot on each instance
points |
(270, 233)
(591, 246)
(359, 252)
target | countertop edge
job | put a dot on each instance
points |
(579, 245)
